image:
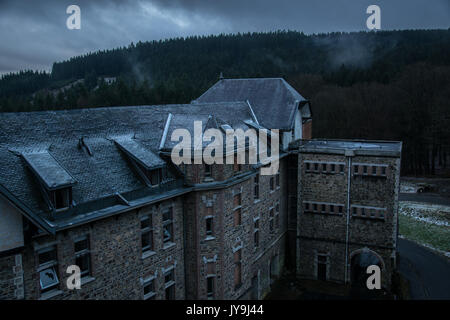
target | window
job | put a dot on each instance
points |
(277, 179)
(237, 268)
(83, 256)
(365, 169)
(256, 187)
(315, 206)
(149, 289)
(308, 166)
(236, 166)
(333, 167)
(237, 217)
(209, 226)
(237, 211)
(256, 232)
(356, 168)
(61, 198)
(307, 206)
(147, 233)
(331, 208)
(316, 167)
(169, 281)
(374, 170)
(207, 170)
(383, 171)
(277, 215)
(355, 210)
(154, 176)
(271, 219)
(168, 225)
(321, 267)
(324, 167)
(341, 168)
(272, 183)
(210, 287)
(341, 208)
(363, 212)
(48, 277)
(324, 208)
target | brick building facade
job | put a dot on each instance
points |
(97, 188)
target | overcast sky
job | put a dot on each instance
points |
(33, 34)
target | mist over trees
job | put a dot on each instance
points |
(391, 85)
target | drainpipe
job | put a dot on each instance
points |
(349, 154)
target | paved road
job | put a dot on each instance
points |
(424, 197)
(428, 273)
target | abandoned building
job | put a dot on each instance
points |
(97, 188)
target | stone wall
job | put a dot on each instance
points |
(117, 263)
(322, 224)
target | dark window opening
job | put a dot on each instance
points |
(147, 233)
(209, 226)
(83, 256)
(210, 287)
(168, 226)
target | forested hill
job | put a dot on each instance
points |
(376, 85)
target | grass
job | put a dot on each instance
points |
(425, 233)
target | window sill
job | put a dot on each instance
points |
(256, 201)
(149, 295)
(147, 254)
(208, 179)
(208, 238)
(50, 294)
(86, 280)
(168, 245)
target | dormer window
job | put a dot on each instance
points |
(54, 181)
(150, 167)
(61, 198)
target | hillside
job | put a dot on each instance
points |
(374, 85)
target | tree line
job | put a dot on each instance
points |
(391, 85)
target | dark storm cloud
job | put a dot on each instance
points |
(34, 34)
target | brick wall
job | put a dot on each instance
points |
(322, 227)
(117, 263)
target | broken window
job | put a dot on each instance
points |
(168, 225)
(48, 276)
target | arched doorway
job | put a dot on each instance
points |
(359, 261)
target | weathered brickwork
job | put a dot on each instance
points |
(213, 255)
(118, 266)
(322, 220)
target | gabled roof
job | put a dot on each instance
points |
(49, 143)
(273, 100)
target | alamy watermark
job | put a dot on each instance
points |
(74, 20)
(373, 22)
(189, 147)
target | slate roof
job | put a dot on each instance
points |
(273, 100)
(97, 167)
